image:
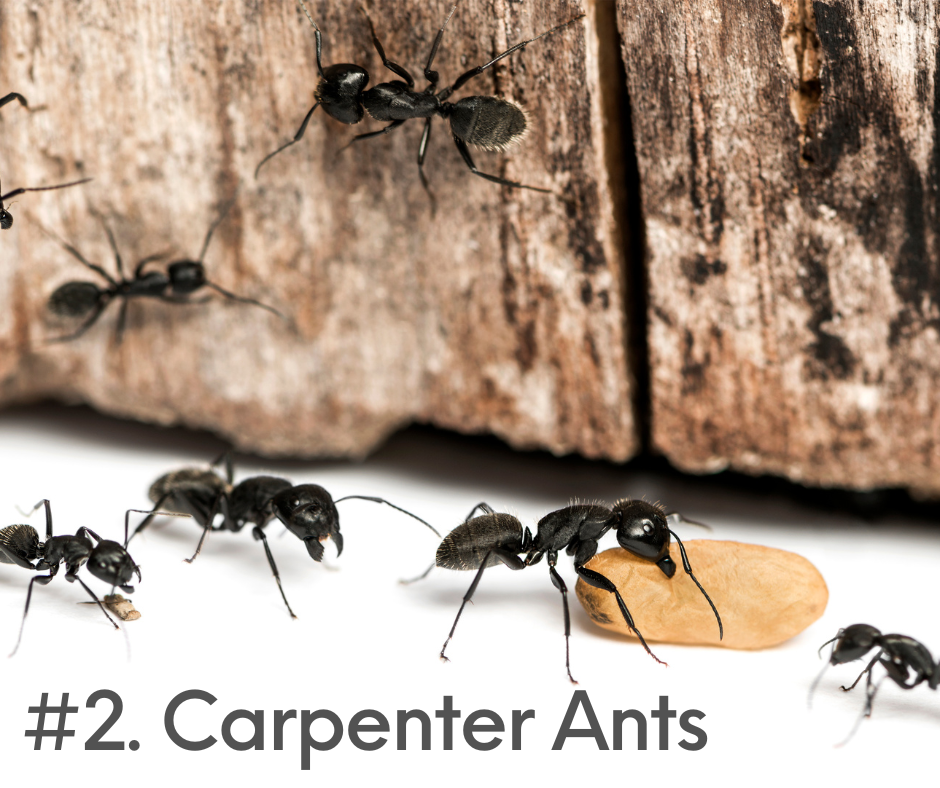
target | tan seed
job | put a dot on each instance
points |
(764, 596)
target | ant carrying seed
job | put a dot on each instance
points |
(108, 561)
(642, 529)
(88, 300)
(308, 511)
(487, 122)
(906, 661)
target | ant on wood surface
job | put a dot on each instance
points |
(487, 122)
(108, 561)
(906, 661)
(642, 528)
(308, 511)
(79, 298)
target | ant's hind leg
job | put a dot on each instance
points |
(465, 152)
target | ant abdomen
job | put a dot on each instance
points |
(465, 547)
(488, 122)
(75, 299)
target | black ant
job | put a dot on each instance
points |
(308, 511)
(642, 529)
(906, 661)
(108, 561)
(486, 122)
(80, 298)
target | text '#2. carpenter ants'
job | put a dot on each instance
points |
(187, 727)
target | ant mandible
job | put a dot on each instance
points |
(308, 511)
(108, 561)
(486, 122)
(906, 661)
(80, 298)
(642, 529)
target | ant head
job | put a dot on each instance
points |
(488, 122)
(6, 219)
(643, 531)
(111, 563)
(853, 643)
(339, 92)
(75, 299)
(308, 512)
(186, 276)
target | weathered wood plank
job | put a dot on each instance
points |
(502, 312)
(789, 155)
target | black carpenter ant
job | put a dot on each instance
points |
(906, 661)
(108, 561)
(308, 511)
(486, 122)
(642, 529)
(80, 298)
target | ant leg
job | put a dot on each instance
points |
(43, 502)
(423, 575)
(42, 580)
(121, 322)
(422, 151)
(483, 507)
(687, 567)
(150, 258)
(303, 126)
(70, 577)
(14, 96)
(509, 559)
(468, 75)
(393, 125)
(89, 322)
(388, 503)
(400, 71)
(117, 255)
(465, 152)
(598, 580)
(257, 533)
(78, 255)
(560, 585)
(216, 508)
(867, 670)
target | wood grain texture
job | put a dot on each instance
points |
(502, 312)
(789, 154)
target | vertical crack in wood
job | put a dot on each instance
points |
(624, 179)
(802, 52)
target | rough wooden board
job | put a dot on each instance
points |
(503, 312)
(789, 155)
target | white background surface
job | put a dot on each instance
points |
(362, 641)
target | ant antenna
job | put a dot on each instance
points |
(216, 223)
(244, 300)
(307, 14)
(382, 500)
(688, 570)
